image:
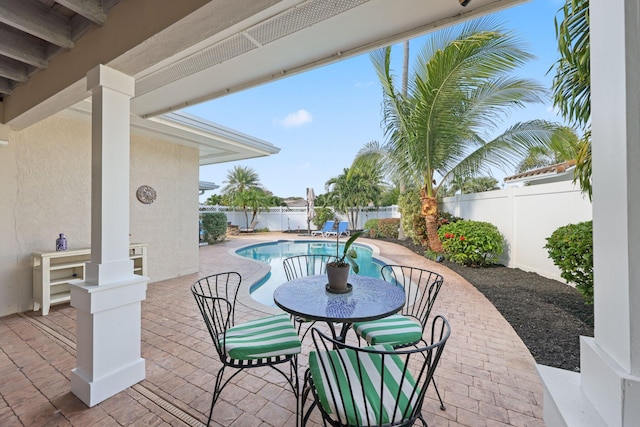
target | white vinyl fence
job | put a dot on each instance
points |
(525, 216)
(285, 219)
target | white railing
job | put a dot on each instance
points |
(525, 216)
(295, 218)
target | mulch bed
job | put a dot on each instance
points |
(548, 315)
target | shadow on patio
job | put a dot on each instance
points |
(486, 374)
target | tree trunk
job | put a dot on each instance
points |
(405, 79)
(435, 244)
(430, 214)
(401, 235)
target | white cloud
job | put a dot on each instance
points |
(298, 118)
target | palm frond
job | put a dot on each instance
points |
(506, 150)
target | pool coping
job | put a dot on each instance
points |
(244, 296)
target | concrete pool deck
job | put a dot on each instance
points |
(486, 375)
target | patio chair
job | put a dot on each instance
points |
(268, 341)
(342, 229)
(249, 229)
(301, 266)
(406, 328)
(325, 228)
(306, 265)
(371, 386)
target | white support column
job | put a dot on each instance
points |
(608, 390)
(611, 362)
(108, 301)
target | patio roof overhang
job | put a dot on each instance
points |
(182, 53)
(215, 143)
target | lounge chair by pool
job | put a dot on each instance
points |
(325, 228)
(251, 227)
(343, 229)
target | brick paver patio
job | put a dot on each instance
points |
(486, 375)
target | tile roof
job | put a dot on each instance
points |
(557, 169)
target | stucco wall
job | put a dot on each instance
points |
(45, 184)
(170, 224)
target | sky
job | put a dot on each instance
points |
(321, 118)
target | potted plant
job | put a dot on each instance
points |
(338, 270)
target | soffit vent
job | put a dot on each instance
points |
(265, 32)
(220, 52)
(298, 18)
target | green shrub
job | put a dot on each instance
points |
(571, 249)
(372, 228)
(214, 226)
(412, 222)
(472, 243)
(433, 256)
(446, 218)
(386, 228)
(322, 215)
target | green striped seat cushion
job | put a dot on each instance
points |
(344, 376)
(265, 337)
(395, 330)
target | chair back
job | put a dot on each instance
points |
(373, 386)
(421, 288)
(216, 297)
(343, 228)
(306, 265)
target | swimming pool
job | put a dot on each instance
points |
(273, 253)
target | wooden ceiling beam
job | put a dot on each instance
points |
(38, 20)
(6, 87)
(13, 70)
(22, 47)
(90, 9)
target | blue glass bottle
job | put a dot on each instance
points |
(61, 243)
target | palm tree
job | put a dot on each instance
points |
(244, 190)
(405, 81)
(564, 146)
(572, 81)
(252, 199)
(472, 185)
(240, 179)
(458, 93)
(355, 188)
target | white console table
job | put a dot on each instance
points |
(52, 272)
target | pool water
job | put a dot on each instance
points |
(273, 253)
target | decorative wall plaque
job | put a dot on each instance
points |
(146, 194)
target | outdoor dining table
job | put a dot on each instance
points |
(368, 299)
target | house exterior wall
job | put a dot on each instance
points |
(525, 216)
(45, 185)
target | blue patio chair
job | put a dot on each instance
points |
(342, 229)
(325, 228)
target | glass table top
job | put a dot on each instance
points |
(369, 299)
